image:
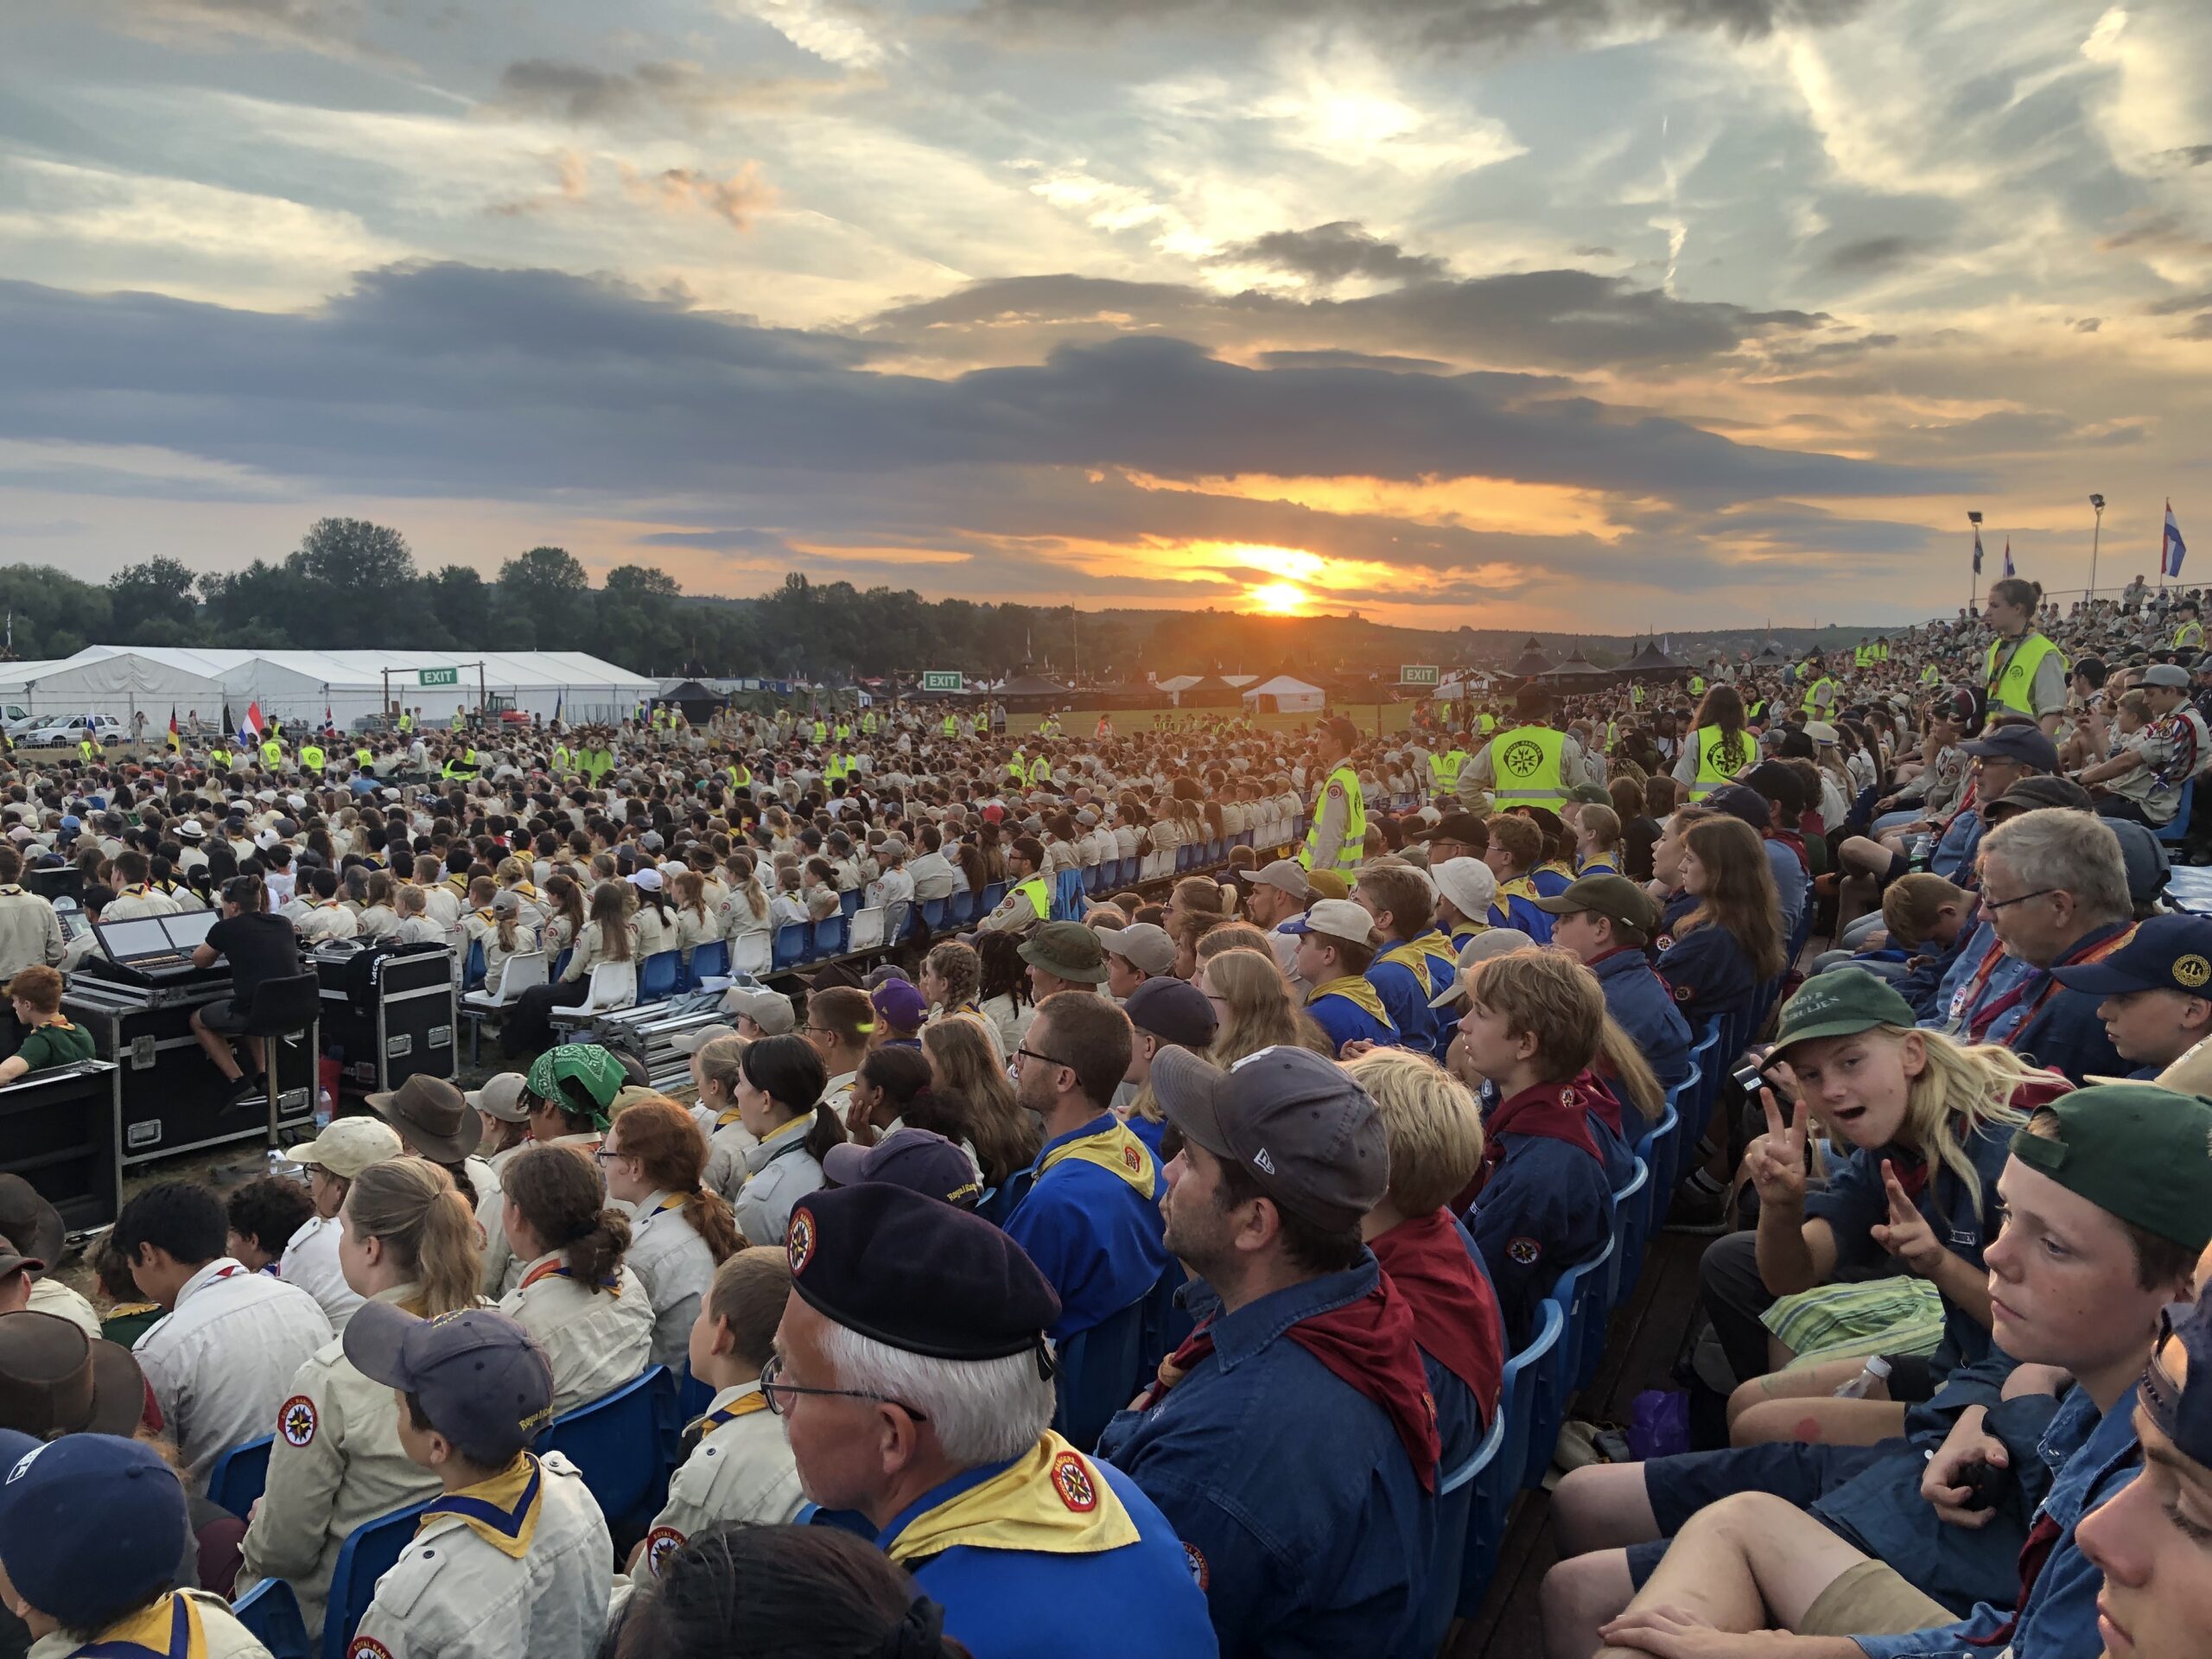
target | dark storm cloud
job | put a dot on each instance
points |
(445, 378)
(1550, 319)
(1874, 255)
(1331, 253)
(1440, 22)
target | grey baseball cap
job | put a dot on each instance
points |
(1146, 945)
(690, 1042)
(770, 1010)
(480, 1379)
(1296, 1123)
(501, 1097)
(1285, 874)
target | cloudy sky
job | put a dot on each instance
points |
(1629, 313)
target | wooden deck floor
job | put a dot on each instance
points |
(1646, 1330)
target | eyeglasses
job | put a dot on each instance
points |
(779, 1394)
(2006, 904)
(606, 1154)
(1031, 1053)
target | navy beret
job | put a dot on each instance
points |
(917, 1275)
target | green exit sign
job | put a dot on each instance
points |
(934, 681)
(438, 676)
(1417, 674)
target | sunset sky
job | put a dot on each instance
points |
(1615, 314)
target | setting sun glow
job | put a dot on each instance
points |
(1278, 598)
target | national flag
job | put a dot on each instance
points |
(1977, 549)
(250, 732)
(176, 739)
(2009, 571)
(2173, 548)
(557, 696)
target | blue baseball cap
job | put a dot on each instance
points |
(2167, 953)
(91, 1525)
(480, 1378)
(2176, 1392)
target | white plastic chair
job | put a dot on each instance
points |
(752, 953)
(524, 972)
(614, 985)
(867, 931)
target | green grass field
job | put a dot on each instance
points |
(1080, 723)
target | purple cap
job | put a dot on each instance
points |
(919, 1160)
(900, 1004)
(480, 1378)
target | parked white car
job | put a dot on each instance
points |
(68, 734)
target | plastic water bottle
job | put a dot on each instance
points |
(325, 1109)
(1874, 1375)
(1923, 845)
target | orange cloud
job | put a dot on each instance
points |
(687, 189)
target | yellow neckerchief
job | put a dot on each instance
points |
(672, 1201)
(559, 1269)
(716, 1416)
(60, 1023)
(1411, 955)
(169, 1629)
(1113, 1149)
(1354, 989)
(131, 1310)
(1052, 1499)
(1468, 930)
(503, 1511)
(723, 1120)
(799, 1123)
(1600, 867)
(1443, 957)
(1519, 887)
(1558, 867)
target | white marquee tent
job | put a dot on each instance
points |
(301, 685)
(1287, 695)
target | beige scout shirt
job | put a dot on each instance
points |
(595, 1340)
(453, 1595)
(335, 1464)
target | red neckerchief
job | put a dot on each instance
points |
(2049, 987)
(2042, 1538)
(1615, 951)
(1558, 1111)
(1795, 843)
(1369, 1346)
(1455, 1310)
(1912, 1169)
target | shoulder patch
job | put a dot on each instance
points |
(296, 1421)
(1072, 1480)
(1525, 1251)
(1195, 1559)
(1683, 993)
(661, 1543)
(367, 1647)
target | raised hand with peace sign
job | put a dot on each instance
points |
(1776, 1161)
(1906, 1235)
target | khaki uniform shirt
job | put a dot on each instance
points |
(502, 1272)
(741, 1470)
(134, 902)
(52, 1296)
(335, 1464)
(678, 1268)
(595, 1340)
(31, 933)
(728, 1142)
(223, 1360)
(453, 1594)
(224, 1636)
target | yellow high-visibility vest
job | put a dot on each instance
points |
(1718, 760)
(1352, 849)
(1526, 768)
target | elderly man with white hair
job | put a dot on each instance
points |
(915, 1382)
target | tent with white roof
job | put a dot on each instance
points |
(1286, 696)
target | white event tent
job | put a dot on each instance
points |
(1287, 696)
(302, 685)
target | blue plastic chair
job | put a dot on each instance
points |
(1661, 1143)
(370, 1551)
(1494, 1482)
(848, 904)
(1536, 1386)
(933, 912)
(660, 975)
(1448, 1554)
(271, 1612)
(472, 972)
(1579, 1293)
(1098, 1370)
(994, 896)
(708, 960)
(560, 965)
(2178, 831)
(614, 1442)
(960, 909)
(791, 945)
(1631, 1225)
(830, 937)
(240, 1476)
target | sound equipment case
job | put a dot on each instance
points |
(391, 1018)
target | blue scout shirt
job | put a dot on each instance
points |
(1953, 855)
(1854, 1202)
(1300, 1513)
(1405, 997)
(1089, 1231)
(1547, 1202)
(1345, 1021)
(1515, 907)
(2092, 1458)
(1639, 1000)
(1024, 1604)
(1789, 883)
(2065, 1034)
(1707, 973)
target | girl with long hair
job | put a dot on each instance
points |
(1253, 1009)
(682, 1229)
(716, 1070)
(1718, 746)
(694, 922)
(1004, 1002)
(963, 1062)
(952, 978)
(585, 1305)
(1730, 942)
(886, 1080)
(409, 1240)
(779, 1100)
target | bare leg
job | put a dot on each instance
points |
(1835, 1422)
(1602, 1506)
(1746, 1563)
(1816, 1381)
(218, 1048)
(1579, 1597)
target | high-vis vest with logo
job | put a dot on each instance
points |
(1813, 697)
(1038, 892)
(2011, 680)
(1717, 761)
(1351, 851)
(1525, 767)
(1444, 770)
(273, 753)
(2190, 633)
(311, 757)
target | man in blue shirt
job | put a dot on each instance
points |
(1606, 921)
(1087, 1212)
(915, 1384)
(2109, 1195)
(1292, 1440)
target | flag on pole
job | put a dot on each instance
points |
(557, 696)
(250, 732)
(2173, 549)
(176, 739)
(1977, 549)
(2009, 571)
